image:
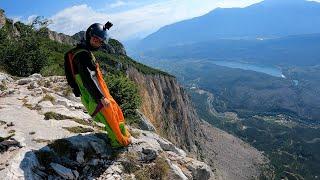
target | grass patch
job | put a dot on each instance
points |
(131, 164)
(135, 134)
(2, 123)
(24, 100)
(6, 138)
(67, 92)
(37, 107)
(157, 170)
(12, 131)
(29, 106)
(3, 86)
(78, 129)
(80, 121)
(48, 97)
(56, 116)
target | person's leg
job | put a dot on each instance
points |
(110, 115)
(90, 105)
(100, 118)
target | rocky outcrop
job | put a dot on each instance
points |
(79, 36)
(2, 18)
(60, 37)
(169, 109)
(115, 47)
(92, 156)
(48, 135)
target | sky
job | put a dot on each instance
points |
(132, 19)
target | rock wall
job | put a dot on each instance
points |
(62, 38)
(171, 112)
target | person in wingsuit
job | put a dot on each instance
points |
(86, 80)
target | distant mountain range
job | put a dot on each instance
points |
(268, 19)
(300, 50)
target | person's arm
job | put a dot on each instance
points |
(87, 71)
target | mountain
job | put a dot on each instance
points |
(270, 18)
(165, 110)
(296, 50)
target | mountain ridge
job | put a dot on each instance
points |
(264, 19)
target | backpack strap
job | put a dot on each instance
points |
(71, 56)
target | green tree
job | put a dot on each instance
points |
(24, 56)
(125, 92)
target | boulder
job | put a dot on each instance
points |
(36, 76)
(168, 146)
(63, 171)
(25, 81)
(200, 170)
(148, 155)
(145, 123)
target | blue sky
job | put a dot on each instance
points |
(132, 18)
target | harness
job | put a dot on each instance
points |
(70, 57)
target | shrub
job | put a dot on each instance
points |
(125, 92)
(25, 50)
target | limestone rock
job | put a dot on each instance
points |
(80, 157)
(25, 81)
(148, 155)
(145, 123)
(36, 76)
(5, 78)
(63, 171)
(199, 170)
(2, 18)
(90, 156)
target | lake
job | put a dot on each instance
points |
(271, 70)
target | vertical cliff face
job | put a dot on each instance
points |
(170, 110)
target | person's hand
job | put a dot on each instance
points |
(105, 102)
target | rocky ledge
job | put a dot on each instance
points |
(45, 133)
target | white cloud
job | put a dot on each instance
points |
(30, 19)
(17, 18)
(139, 21)
(117, 4)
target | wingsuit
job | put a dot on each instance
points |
(86, 80)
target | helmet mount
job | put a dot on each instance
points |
(108, 25)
